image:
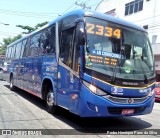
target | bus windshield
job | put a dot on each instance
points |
(115, 49)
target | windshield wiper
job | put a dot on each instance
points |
(113, 77)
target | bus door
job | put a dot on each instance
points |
(75, 83)
(64, 68)
(74, 79)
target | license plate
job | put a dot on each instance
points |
(157, 96)
(127, 111)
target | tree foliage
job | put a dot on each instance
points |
(6, 42)
(28, 28)
(31, 29)
(9, 40)
(2, 50)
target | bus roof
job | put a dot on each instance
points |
(86, 13)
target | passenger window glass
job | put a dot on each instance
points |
(35, 48)
(8, 53)
(13, 52)
(66, 46)
(22, 49)
(48, 40)
(27, 47)
(18, 50)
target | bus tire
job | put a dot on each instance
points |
(11, 86)
(50, 105)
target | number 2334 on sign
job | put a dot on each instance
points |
(104, 31)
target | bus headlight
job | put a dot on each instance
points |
(151, 93)
(93, 89)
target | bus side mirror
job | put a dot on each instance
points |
(80, 32)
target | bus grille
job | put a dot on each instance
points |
(125, 100)
(117, 110)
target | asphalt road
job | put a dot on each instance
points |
(21, 110)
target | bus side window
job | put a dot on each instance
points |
(8, 53)
(23, 47)
(27, 48)
(18, 50)
(45, 41)
(66, 46)
(13, 51)
(35, 45)
(48, 40)
(52, 38)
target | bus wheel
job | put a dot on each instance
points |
(51, 107)
(11, 86)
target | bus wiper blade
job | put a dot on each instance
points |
(113, 77)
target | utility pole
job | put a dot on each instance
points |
(83, 5)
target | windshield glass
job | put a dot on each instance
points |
(119, 50)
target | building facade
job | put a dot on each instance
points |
(145, 13)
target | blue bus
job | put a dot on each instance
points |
(92, 64)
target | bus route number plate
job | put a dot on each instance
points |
(127, 111)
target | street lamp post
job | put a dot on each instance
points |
(4, 23)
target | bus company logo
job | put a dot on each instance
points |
(145, 90)
(130, 100)
(116, 90)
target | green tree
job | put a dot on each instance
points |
(2, 50)
(6, 42)
(30, 29)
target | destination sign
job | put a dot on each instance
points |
(103, 30)
(103, 60)
(106, 54)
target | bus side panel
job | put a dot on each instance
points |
(16, 72)
(21, 72)
(49, 71)
(74, 97)
(37, 74)
(63, 86)
(28, 82)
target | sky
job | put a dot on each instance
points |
(32, 12)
